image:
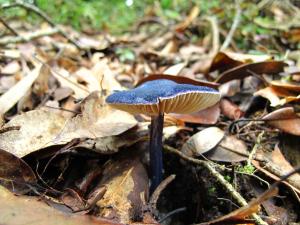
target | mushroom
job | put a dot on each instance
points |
(155, 98)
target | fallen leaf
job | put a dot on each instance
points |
(15, 173)
(278, 159)
(272, 94)
(239, 216)
(278, 166)
(38, 128)
(230, 149)
(97, 120)
(248, 58)
(11, 68)
(223, 62)
(126, 183)
(175, 69)
(177, 79)
(18, 210)
(290, 86)
(206, 116)
(190, 18)
(203, 141)
(67, 81)
(112, 144)
(230, 88)
(14, 94)
(284, 119)
(231, 110)
(245, 70)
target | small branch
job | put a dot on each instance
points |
(236, 195)
(43, 15)
(159, 189)
(235, 24)
(29, 37)
(254, 149)
(8, 27)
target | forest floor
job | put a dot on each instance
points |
(67, 157)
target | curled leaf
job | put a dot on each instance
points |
(203, 141)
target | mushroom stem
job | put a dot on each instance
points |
(156, 164)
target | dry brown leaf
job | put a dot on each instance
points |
(18, 210)
(203, 141)
(38, 128)
(271, 94)
(15, 173)
(40, 85)
(66, 80)
(284, 119)
(231, 110)
(240, 215)
(190, 18)
(175, 69)
(97, 120)
(290, 86)
(14, 94)
(223, 62)
(178, 79)
(277, 166)
(245, 70)
(248, 58)
(171, 47)
(230, 149)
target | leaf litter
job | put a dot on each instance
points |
(61, 142)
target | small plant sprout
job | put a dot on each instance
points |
(155, 98)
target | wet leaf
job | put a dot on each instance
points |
(245, 70)
(203, 141)
(17, 210)
(284, 119)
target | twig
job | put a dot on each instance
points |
(235, 24)
(8, 27)
(98, 197)
(40, 13)
(255, 147)
(29, 37)
(159, 189)
(236, 195)
(182, 209)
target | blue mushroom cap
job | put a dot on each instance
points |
(163, 96)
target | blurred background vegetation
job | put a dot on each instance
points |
(119, 15)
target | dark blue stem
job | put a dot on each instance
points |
(156, 163)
